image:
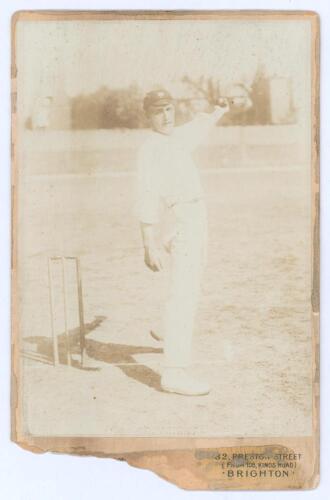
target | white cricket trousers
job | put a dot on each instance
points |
(187, 259)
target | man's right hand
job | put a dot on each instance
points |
(152, 259)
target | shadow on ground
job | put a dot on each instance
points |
(121, 355)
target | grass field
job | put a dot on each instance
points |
(253, 334)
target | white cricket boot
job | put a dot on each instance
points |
(179, 381)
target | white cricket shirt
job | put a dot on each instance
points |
(166, 171)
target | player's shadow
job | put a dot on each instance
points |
(43, 346)
(120, 355)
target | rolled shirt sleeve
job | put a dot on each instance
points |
(148, 190)
(195, 132)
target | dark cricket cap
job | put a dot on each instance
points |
(157, 99)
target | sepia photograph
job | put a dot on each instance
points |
(165, 229)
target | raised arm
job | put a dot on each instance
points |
(197, 129)
(220, 108)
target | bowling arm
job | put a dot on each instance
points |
(195, 131)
